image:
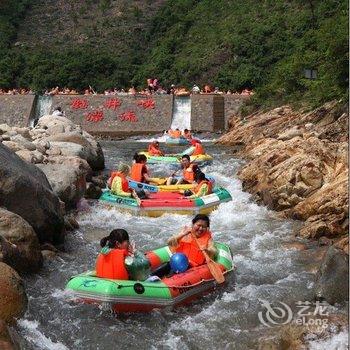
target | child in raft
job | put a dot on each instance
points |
(110, 262)
(119, 184)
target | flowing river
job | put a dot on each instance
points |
(224, 319)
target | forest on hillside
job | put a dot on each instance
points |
(269, 46)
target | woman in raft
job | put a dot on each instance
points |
(184, 242)
(153, 149)
(195, 149)
(110, 262)
(139, 171)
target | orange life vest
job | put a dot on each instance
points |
(112, 265)
(209, 184)
(198, 149)
(188, 174)
(136, 172)
(188, 246)
(125, 183)
(154, 151)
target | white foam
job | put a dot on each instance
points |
(38, 339)
(339, 341)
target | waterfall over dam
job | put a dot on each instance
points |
(115, 115)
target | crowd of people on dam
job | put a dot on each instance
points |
(153, 88)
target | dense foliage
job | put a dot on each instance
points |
(262, 45)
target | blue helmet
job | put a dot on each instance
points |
(179, 262)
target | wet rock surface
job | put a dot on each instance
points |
(13, 300)
(25, 191)
(19, 245)
(298, 165)
(332, 279)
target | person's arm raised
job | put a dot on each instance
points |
(173, 241)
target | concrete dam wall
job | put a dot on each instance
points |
(114, 115)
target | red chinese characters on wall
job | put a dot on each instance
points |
(128, 116)
(95, 116)
(79, 104)
(112, 103)
(147, 104)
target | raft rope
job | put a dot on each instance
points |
(119, 286)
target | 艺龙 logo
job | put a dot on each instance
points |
(275, 315)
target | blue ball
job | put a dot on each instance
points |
(179, 262)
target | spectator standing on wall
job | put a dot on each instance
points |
(155, 84)
(172, 89)
(132, 91)
(57, 112)
(207, 89)
(150, 85)
(217, 91)
(195, 89)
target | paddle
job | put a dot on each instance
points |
(212, 265)
(157, 181)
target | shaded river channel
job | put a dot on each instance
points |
(224, 319)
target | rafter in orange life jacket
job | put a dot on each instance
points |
(112, 265)
(188, 246)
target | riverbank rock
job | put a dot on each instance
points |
(19, 245)
(332, 279)
(296, 336)
(93, 191)
(6, 341)
(13, 300)
(67, 177)
(25, 191)
(62, 130)
(298, 164)
(62, 150)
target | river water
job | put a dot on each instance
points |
(225, 319)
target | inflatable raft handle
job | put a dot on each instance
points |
(139, 288)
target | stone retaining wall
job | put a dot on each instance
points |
(232, 105)
(118, 115)
(207, 112)
(15, 110)
(125, 115)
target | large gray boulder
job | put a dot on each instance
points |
(25, 190)
(19, 245)
(91, 149)
(61, 129)
(13, 299)
(332, 279)
(67, 178)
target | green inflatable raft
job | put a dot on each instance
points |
(144, 296)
